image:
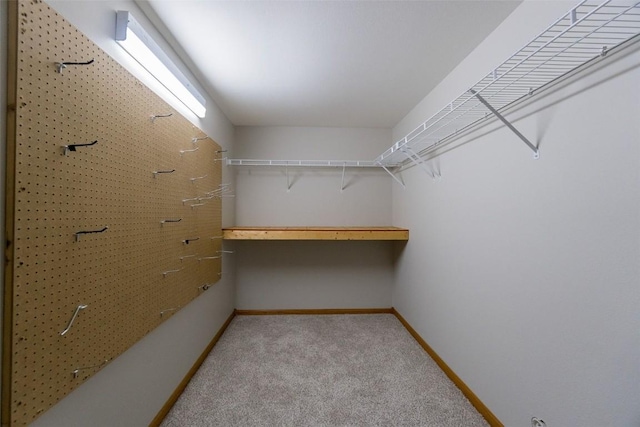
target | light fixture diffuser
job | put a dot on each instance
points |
(135, 40)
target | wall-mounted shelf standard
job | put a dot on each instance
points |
(587, 32)
(315, 233)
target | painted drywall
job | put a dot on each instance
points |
(274, 275)
(132, 388)
(306, 275)
(523, 274)
(314, 196)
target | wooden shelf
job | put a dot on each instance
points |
(315, 233)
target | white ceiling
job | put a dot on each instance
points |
(325, 63)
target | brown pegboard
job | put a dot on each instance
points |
(117, 273)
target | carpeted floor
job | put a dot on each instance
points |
(328, 370)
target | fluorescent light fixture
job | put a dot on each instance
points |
(135, 40)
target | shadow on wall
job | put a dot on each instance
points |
(398, 251)
(546, 99)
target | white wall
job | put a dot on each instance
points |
(305, 275)
(314, 197)
(274, 275)
(523, 274)
(132, 388)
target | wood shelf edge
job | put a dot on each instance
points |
(315, 233)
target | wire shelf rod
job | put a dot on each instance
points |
(304, 163)
(588, 31)
(558, 53)
(511, 68)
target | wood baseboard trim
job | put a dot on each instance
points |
(470, 395)
(312, 311)
(185, 381)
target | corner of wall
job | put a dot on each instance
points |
(516, 266)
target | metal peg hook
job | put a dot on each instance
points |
(170, 220)
(221, 187)
(164, 171)
(189, 200)
(224, 252)
(73, 318)
(168, 310)
(197, 178)
(62, 65)
(217, 192)
(187, 241)
(77, 370)
(196, 205)
(164, 273)
(208, 257)
(78, 233)
(160, 116)
(189, 151)
(196, 139)
(72, 147)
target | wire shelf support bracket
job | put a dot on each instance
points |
(398, 180)
(287, 164)
(304, 163)
(507, 123)
(589, 31)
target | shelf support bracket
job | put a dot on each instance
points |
(344, 167)
(286, 169)
(536, 153)
(417, 160)
(399, 181)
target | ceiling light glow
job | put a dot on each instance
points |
(137, 43)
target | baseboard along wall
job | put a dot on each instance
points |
(315, 311)
(466, 391)
(157, 420)
(470, 395)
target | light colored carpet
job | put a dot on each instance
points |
(328, 370)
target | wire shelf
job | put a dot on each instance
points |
(588, 31)
(305, 163)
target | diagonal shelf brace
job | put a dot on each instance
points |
(398, 180)
(536, 153)
(418, 161)
(286, 170)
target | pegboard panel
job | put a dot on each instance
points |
(162, 238)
